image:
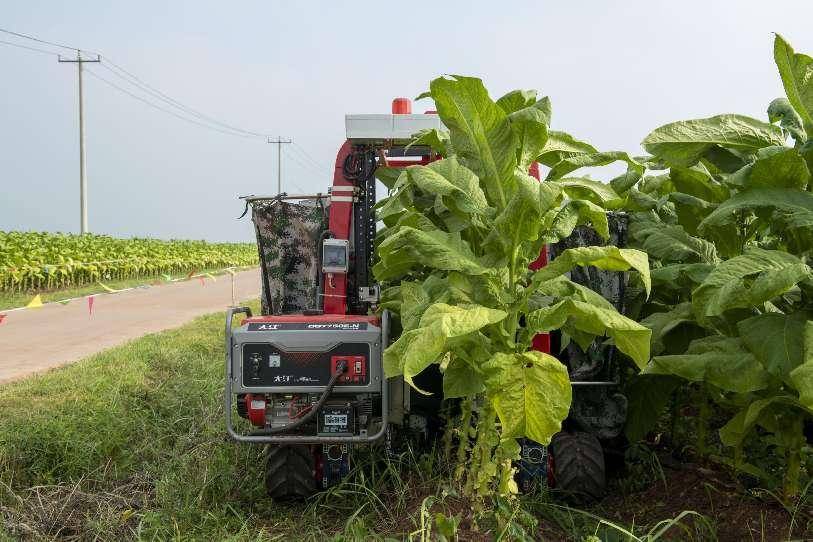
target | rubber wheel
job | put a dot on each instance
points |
(290, 472)
(578, 466)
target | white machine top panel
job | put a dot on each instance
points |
(388, 127)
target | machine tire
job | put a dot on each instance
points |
(578, 466)
(290, 472)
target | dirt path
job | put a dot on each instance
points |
(38, 339)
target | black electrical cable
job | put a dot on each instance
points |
(341, 368)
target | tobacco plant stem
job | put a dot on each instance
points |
(702, 425)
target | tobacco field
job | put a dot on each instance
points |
(31, 261)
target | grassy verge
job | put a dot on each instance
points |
(129, 444)
(10, 300)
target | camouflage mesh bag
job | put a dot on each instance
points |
(287, 237)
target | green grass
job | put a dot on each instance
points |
(130, 444)
(11, 300)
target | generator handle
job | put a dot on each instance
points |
(301, 439)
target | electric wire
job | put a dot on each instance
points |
(304, 165)
(296, 185)
(158, 107)
(46, 42)
(37, 49)
(310, 158)
(205, 121)
(146, 87)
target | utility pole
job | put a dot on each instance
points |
(279, 142)
(83, 181)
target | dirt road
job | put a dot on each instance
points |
(38, 339)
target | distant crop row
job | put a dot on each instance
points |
(39, 260)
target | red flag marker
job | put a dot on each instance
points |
(90, 305)
(202, 282)
(2, 317)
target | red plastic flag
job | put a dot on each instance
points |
(2, 317)
(202, 282)
(90, 304)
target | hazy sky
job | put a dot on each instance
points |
(613, 70)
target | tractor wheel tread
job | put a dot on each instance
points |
(290, 472)
(579, 468)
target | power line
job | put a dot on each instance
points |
(310, 158)
(307, 168)
(130, 78)
(292, 182)
(21, 46)
(46, 42)
(158, 107)
(135, 81)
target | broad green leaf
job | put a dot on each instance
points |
(661, 323)
(414, 301)
(745, 281)
(521, 220)
(576, 213)
(625, 181)
(673, 244)
(561, 145)
(609, 258)
(530, 126)
(455, 321)
(451, 180)
(572, 163)
(647, 396)
(684, 143)
(416, 349)
(681, 273)
(794, 207)
(408, 248)
(802, 380)
(630, 337)
(516, 100)
(437, 140)
(720, 361)
(784, 169)
(735, 431)
(561, 287)
(777, 341)
(460, 380)
(480, 133)
(696, 181)
(387, 175)
(530, 392)
(796, 71)
(691, 211)
(588, 189)
(789, 120)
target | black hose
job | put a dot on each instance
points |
(341, 367)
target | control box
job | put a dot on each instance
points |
(276, 355)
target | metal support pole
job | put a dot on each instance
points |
(279, 142)
(83, 181)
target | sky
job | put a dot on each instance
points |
(613, 70)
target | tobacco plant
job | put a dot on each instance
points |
(728, 225)
(459, 236)
(38, 260)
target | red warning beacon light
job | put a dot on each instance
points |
(401, 106)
